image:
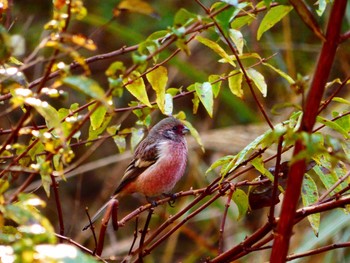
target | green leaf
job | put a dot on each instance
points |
(333, 125)
(258, 80)
(215, 84)
(98, 116)
(343, 122)
(216, 48)
(259, 165)
(48, 112)
(184, 17)
(114, 68)
(195, 102)
(194, 133)
(158, 79)
(263, 141)
(136, 137)
(239, 22)
(5, 45)
(241, 200)
(224, 17)
(328, 179)
(272, 17)
(237, 38)
(86, 85)
(322, 4)
(205, 94)
(4, 185)
(94, 133)
(138, 89)
(281, 73)
(309, 195)
(235, 83)
(221, 162)
(45, 171)
(341, 100)
(69, 122)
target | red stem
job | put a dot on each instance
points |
(292, 195)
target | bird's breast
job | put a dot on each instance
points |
(162, 176)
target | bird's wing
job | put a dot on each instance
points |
(144, 157)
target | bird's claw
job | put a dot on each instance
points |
(172, 200)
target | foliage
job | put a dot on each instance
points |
(208, 63)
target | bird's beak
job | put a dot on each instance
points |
(185, 130)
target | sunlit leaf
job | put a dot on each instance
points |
(83, 41)
(258, 80)
(237, 38)
(94, 133)
(138, 89)
(272, 17)
(215, 84)
(48, 112)
(158, 79)
(136, 6)
(309, 194)
(168, 107)
(97, 117)
(235, 83)
(241, 200)
(119, 140)
(205, 94)
(216, 48)
(322, 4)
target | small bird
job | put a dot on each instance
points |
(158, 163)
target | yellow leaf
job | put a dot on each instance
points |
(136, 6)
(138, 89)
(158, 79)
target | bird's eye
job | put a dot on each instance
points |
(175, 128)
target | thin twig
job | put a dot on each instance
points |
(143, 234)
(223, 221)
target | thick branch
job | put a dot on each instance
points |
(324, 65)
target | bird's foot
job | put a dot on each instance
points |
(172, 200)
(154, 203)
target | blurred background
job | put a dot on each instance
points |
(289, 45)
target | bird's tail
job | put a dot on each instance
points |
(98, 214)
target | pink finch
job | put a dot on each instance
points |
(158, 163)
